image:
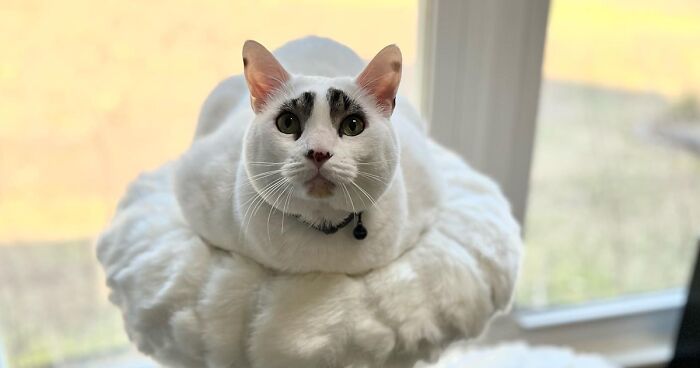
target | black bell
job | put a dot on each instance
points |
(359, 232)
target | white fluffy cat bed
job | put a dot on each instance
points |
(221, 302)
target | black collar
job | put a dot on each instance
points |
(359, 232)
(328, 228)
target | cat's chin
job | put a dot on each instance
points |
(320, 187)
(316, 212)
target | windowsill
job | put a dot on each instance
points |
(128, 358)
(609, 309)
(644, 358)
(635, 331)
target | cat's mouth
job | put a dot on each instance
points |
(320, 187)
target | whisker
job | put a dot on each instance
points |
(375, 162)
(258, 200)
(374, 202)
(346, 198)
(254, 198)
(265, 163)
(372, 176)
(362, 199)
(345, 188)
(268, 194)
(257, 177)
(262, 190)
(273, 208)
(264, 173)
(284, 208)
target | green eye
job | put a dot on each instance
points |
(352, 125)
(288, 123)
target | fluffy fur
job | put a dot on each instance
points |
(200, 283)
(223, 205)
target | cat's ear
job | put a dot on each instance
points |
(263, 73)
(382, 76)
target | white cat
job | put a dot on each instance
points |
(317, 152)
(312, 223)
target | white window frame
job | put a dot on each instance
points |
(480, 71)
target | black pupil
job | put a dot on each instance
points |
(288, 121)
(352, 125)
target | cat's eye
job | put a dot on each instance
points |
(352, 125)
(288, 123)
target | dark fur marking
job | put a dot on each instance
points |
(308, 100)
(342, 105)
(300, 106)
(245, 62)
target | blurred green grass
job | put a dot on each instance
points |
(610, 211)
(54, 305)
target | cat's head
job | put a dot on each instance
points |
(321, 147)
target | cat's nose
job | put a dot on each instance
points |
(318, 157)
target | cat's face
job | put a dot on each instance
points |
(321, 147)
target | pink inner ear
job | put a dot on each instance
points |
(382, 76)
(263, 72)
(385, 89)
(263, 86)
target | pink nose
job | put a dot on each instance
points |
(318, 157)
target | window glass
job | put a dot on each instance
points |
(614, 204)
(94, 92)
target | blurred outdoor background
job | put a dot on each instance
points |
(92, 93)
(614, 204)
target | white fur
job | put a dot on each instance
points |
(222, 204)
(441, 258)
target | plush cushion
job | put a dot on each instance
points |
(189, 304)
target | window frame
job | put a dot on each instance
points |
(479, 75)
(631, 331)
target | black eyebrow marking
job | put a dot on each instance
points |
(301, 106)
(342, 105)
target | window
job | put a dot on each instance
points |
(92, 94)
(614, 205)
(613, 154)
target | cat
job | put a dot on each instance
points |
(287, 178)
(312, 223)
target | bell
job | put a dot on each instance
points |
(359, 232)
